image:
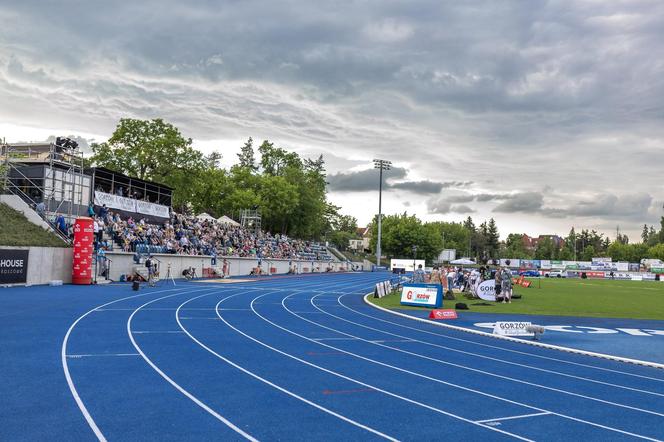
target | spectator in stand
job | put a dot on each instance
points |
(103, 212)
(91, 210)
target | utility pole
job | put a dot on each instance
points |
(380, 165)
(414, 257)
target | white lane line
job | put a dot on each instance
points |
(189, 317)
(233, 309)
(334, 339)
(100, 355)
(382, 341)
(271, 384)
(143, 332)
(65, 367)
(177, 386)
(484, 356)
(388, 393)
(481, 344)
(512, 417)
(444, 382)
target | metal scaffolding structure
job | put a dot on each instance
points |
(250, 219)
(46, 172)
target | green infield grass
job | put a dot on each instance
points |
(570, 297)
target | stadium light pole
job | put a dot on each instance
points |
(380, 165)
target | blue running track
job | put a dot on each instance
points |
(292, 358)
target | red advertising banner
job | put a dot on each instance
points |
(443, 314)
(83, 249)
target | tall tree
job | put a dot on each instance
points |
(153, 150)
(492, 239)
(246, 155)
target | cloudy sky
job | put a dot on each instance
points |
(541, 114)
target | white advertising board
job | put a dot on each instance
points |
(447, 255)
(130, 205)
(510, 328)
(405, 264)
(486, 290)
(425, 295)
(622, 266)
(513, 263)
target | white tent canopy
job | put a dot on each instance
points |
(463, 261)
(226, 220)
(205, 217)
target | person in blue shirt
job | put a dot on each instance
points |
(61, 223)
(418, 275)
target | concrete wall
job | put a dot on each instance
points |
(122, 263)
(46, 264)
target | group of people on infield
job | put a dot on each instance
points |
(467, 280)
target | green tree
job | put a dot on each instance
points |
(402, 232)
(274, 159)
(492, 239)
(246, 156)
(656, 251)
(153, 150)
(453, 236)
(514, 247)
(546, 249)
(279, 200)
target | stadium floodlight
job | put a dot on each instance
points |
(380, 165)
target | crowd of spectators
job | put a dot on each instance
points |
(188, 235)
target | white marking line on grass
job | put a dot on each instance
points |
(388, 393)
(271, 384)
(512, 417)
(451, 384)
(507, 338)
(65, 367)
(483, 356)
(193, 398)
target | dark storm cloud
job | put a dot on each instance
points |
(627, 207)
(484, 197)
(367, 180)
(361, 181)
(418, 186)
(522, 202)
(443, 207)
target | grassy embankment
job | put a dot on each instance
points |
(16, 230)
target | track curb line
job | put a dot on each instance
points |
(520, 341)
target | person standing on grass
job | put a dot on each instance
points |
(435, 276)
(418, 275)
(506, 284)
(498, 283)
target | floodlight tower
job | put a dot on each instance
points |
(380, 165)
